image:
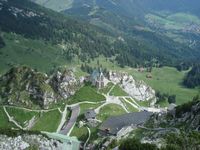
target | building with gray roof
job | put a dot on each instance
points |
(114, 125)
(90, 114)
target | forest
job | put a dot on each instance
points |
(192, 79)
(36, 22)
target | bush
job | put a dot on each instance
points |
(15, 133)
(187, 106)
(172, 99)
(135, 144)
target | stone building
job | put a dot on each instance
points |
(97, 78)
(90, 117)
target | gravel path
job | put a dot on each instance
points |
(11, 118)
(42, 110)
(87, 138)
(111, 100)
(132, 104)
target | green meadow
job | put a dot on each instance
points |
(4, 122)
(36, 53)
(21, 115)
(168, 80)
(110, 110)
(117, 91)
(87, 93)
(48, 121)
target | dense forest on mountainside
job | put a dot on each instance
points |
(192, 79)
(134, 21)
(85, 41)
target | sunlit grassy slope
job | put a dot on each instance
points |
(34, 53)
(168, 80)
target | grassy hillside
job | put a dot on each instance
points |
(35, 53)
(132, 18)
(134, 42)
(48, 123)
(117, 91)
(87, 93)
(57, 5)
(21, 116)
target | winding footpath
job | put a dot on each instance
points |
(161, 129)
(85, 144)
(11, 118)
(32, 110)
(132, 104)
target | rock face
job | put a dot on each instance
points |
(64, 83)
(186, 116)
(137, 89)
(26, 87)
(29, 141)
(183, 127)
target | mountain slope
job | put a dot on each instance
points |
(178, 129)
(23, 86)
(165, 27)
(177, 19)
(31, 32)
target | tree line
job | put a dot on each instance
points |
(91, 41)
(192, 79)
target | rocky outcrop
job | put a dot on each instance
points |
(186, 117)
(180, 130)
(137, 89)
(64, 83)
(26, 141)
(26, 87)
